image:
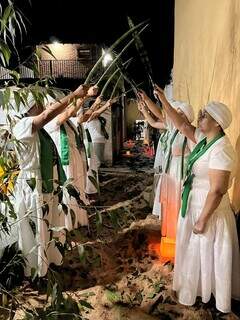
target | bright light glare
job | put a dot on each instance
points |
(107, 57)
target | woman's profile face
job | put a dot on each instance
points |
(206, 122)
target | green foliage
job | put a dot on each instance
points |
(12, 266)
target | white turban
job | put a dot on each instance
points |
(186, 108)
(13, 110)
(220, 113)
(168, 92)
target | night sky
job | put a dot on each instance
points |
(102, 22)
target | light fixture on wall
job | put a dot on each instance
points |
(54, 41)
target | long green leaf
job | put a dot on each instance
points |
(125, 64)
(115, 86)
(127, 78)
(116, 43)
(5, 53)
(141, 49)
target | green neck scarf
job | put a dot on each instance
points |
(64, 142)
(163, 140)
(169, 156)
(197, 152)
(48, 158)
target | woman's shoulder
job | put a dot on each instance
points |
(23, 129)
(223, 144)
(222, 155)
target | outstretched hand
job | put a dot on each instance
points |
(81, 91)
(141, 106)
(99, 100)
(142, 95)
(93, 116)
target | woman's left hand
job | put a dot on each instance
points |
(199, 226)
(94, 115)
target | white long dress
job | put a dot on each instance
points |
(28, 204)
(158, 164)
(171, 183)
(76, 170)
(210, 262)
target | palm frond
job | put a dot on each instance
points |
(116, 86)
(141, 49)
(114, 45)
(125, 64)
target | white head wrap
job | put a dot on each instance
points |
(220, 113)
(186, 108)
(13, 110)
(168, 92)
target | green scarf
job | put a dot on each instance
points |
(163, 140)
(197, 152)
(170, 153)
(48, 157)
(169, 156)
(64, 142)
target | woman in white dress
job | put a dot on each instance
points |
(207, 253)
(39, 166)
(94, 141)
(69, 143)
(168, 195)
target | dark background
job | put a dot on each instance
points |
(102, 22)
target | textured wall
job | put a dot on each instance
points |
(60, 51)
(207, 60)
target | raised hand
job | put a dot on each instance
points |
(141, 106)
(159, 93)
(81, 91)
(93, 116)
(99, 100)
(142, 95)
(93, 91)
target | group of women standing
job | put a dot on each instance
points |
(50, 193)
(191, 197)
(196, 169)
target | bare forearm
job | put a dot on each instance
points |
(70, 112)
(154, 108)
(52, 111)
(179, 122)
(212, 202)
(149, 118)
(103, 108)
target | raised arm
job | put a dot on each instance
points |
(180, 123)
(71, 111)
(99, 111)
(85, 116)
(156, 111)
(58, 107)
(155, 124)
